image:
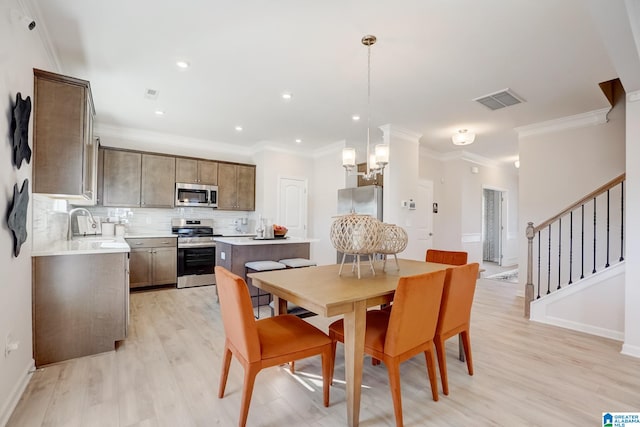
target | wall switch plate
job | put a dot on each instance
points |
(223, 255)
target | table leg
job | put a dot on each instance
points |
(354, 328)
(279, 306)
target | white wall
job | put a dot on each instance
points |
(632, 294)
(329, 176)
(458, 192)
(401, 184)
(20, 51)
(270, 166)
(559, 167)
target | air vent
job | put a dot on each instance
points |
(151, 94)
(500, 99)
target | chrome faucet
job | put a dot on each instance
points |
(70, 214)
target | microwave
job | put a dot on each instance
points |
(205, 196)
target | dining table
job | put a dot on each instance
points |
(323, 291)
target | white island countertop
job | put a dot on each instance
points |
(83, 246)
(250, 241)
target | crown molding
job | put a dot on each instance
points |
(590, 118)
(399, 132)
(460, 155)
(31, 8)
(167, 140)
(336, 147)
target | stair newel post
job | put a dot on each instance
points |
(622, 221)
(528, 292)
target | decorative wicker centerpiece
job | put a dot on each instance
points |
(356, 235)
(393, 240)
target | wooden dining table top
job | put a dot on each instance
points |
(320, 289)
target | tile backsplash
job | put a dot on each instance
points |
(50, 219)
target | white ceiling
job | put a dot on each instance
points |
(432, 58)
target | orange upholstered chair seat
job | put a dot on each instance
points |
(286, 334)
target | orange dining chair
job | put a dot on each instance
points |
(455, 314)
(407, 330)
(446, 257)
(259, 344)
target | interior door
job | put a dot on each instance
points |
(292, 206)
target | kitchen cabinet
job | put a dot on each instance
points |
(122, 171)
(134, 179)
(236, 187)
(153, 261)
(196, 171)
(80, 305)
(158, 181)
(65, 152)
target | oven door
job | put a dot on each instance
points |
(195, 266)
(192, 195)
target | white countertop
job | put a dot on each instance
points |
(83, 246)
(250, 241)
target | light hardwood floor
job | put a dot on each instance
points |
(166, 374)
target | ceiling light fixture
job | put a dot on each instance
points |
(298, 141)
(239, 128)
(463, 137)
(159, 113)
(355, 117)
(286, 96)
(183, 64)
(377, 160)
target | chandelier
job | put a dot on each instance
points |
(379, 158)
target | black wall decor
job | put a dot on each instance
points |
(17, 217)
(20, 130)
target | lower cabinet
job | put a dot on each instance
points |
(80, 305)
(153, 261)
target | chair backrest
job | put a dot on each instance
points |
(416, 305)
(446, 257)
(237, 314)
(457, 298)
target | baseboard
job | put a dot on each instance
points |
(16, 393)
(630, 350)
(582, 327)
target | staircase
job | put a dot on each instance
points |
(575, 264)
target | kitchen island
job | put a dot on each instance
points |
(233, 252)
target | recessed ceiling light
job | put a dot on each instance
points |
(355, 117)
(298, 141)
(286, 95)
(159, 113)
(239, 128)
(183, 64)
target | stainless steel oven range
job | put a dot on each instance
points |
(196, 251)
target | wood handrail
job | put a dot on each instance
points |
(582, 201)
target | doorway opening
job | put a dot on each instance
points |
(492, 225)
